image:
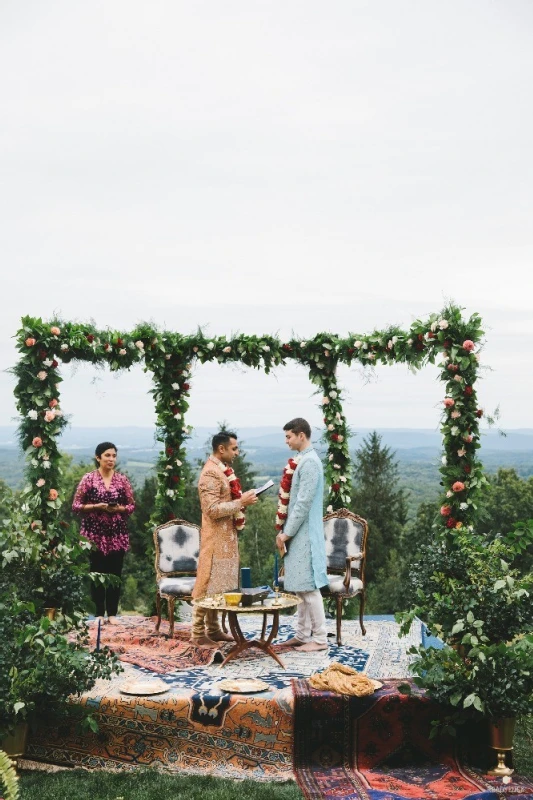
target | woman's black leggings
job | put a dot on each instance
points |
(102, 596)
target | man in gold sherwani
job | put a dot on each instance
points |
(218, 565)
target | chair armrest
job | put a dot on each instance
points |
(348, 573)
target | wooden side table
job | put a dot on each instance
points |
(272, 606)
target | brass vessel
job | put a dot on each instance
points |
(51, 613)
(501, 740)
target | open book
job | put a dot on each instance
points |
(264, 488)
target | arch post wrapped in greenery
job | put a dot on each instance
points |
(170, 357)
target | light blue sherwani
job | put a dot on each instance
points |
(305, 562)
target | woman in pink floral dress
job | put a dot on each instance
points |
(105, 499)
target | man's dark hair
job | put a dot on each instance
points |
(298, 425)
(103, 446)
(223, 437)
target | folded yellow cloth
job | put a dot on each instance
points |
(343, 680)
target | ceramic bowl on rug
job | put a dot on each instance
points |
(144, 687)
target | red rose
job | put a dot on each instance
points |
(106, 346)
(450, 522)
(447, 344)
(186, 387)
(120, 342)
(287, 347)
(431, 335)
(335, 487)
(175, 479)
(351, 351)
(42, 354)
(334, 437)
(169, 451)
(175, 409)
(419, 345)
(89, 337)
(453, 367)
(479, 412)
(420, 337)
(468, 391)
(54, 364)
(467, 468)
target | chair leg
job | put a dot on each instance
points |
(158, 609)
(224, 626)
(339, 619)
(171, 602)
(361, 612)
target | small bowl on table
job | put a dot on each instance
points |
(232, 598)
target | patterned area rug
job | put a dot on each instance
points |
(378, 748)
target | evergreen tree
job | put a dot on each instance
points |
(377, 498)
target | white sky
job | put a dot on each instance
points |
(269, 167)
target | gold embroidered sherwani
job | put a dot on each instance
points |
(218, 564)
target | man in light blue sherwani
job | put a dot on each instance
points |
(303, 536)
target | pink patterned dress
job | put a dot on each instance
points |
(108, 531)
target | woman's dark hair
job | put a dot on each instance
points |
(299, 425)
(222, 438)
(103, 446)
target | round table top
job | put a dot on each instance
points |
(282, 600)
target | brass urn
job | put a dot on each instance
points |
(501, 740)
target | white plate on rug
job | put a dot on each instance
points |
(376, 684)
(242, 685)
(144, 687)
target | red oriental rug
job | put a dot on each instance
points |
(134, 640)
(378, 748)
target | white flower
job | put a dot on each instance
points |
(333, 394)
(139, 344)
(170, 492)
(463, 506)
(342, 478)
(433, 326)
(122, 351)
(325, 401)
(365, 345)
(338, 416)
(266, 348)
(179, 463)
(394, 339)
(176, 386)
(336, 466)
(341, 438)
(458, 378)
(303, 344)
(40, 482)
(329, 509)
(371, 356)
(331, 457)
(477, 357)
(227, 350)
(358, 344)
(331, 427)
(168, 466)
(59, 413)
(444, 460)
(327, 346)
(449, 493)
(64, 347)
(42, 375)
(46, 464)
(177, 415)
(455, 414)
(35, 463)
(168, 356)
(210, 345)
(454, 431)
(390, 344)
(326, 353)
(48, 362)
(32, 414)
(409, 341)
(443, 324)
(320, 364)
(461, 452)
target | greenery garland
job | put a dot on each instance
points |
(170, 357)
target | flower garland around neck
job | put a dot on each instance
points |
(284, 493)
(239, 519)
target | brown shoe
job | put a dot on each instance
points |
(220, 636)
(203, 641)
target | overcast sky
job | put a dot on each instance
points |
(269, 167)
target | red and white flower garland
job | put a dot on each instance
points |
(239, 519)
(284, 493)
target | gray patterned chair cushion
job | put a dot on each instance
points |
(179, 547)
(180, 587)
(344, 538)
(335, 585)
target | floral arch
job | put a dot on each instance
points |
(170, 356)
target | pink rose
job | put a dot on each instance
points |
(445, 511)
(30, 341)
(458, 486)
(53, 494)
(449, 402)
(53, 403)
(455, 414)
(37, 441)
(54, 330)
(42, 375)
(468, 345)
(458, 378)
(461, 452)
(50, 415)
(467, 439)
(40, 482)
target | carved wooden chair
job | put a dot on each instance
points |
(346, 536)
(177, 547)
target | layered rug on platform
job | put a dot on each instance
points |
(378, 748)
(194, 726)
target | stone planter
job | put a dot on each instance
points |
(14, 745)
